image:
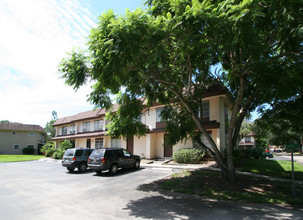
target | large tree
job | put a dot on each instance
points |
(166, 53)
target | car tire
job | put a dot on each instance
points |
(137, 164)
(70, 169)
(82, 167)
(113, 169)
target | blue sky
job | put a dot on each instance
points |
(35, 36)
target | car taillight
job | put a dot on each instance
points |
(88, 160)
(103, 160)
(74, 158)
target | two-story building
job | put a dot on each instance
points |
(248, 141)
(88, 129)
(15, 136)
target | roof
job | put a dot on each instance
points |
(83, 116)
(21, 127)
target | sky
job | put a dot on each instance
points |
(35, 36)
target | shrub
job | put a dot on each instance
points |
(46, 147)
(49, 152)
(58, 154)
(246, 154)
(28, 150)
(66, 144)
(188, 155)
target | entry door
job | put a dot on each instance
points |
(168, 149)
(88, 143)
(130, 145)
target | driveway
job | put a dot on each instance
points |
(44, 190)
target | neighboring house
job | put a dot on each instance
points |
(87, 129)
(248, 141)
(15, 136)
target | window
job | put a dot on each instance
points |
(98, 125)
(64, 130)
(115, 143)
(205, 109)
(85, 126)
(72, 129)
(88, 152)
(31, 133)
(79, 153)
(99, 143)
(247, 139)
(126, 153)
(30, 146)
(16, 146)
(158, 117)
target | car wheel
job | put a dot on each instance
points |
(70, 169)
(82, 167)
(137, 164)
(113, 169)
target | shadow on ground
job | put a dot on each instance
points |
(162, 204)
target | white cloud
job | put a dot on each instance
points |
(35, 36)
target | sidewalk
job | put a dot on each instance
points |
(167, 163)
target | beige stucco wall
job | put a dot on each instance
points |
(21, 138)
(140, 147)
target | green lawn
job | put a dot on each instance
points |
(17, 158)
(273, 168)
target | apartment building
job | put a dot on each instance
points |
(15, 136)
(248, 141)
(88, 129)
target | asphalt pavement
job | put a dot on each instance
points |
(45, 190)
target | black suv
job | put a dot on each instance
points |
(111, 159)
(76, 158)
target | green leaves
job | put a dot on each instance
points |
(74, 69)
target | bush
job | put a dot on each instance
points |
(188, 155)
(246, 154)
(49, 152)
(58, 154)
(46, 147)
(66, 144)
(28, 150)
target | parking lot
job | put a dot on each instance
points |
(45, 190)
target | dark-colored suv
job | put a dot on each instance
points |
(111, 159)
(76, 158)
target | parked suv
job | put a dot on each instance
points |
(111, 159)
(76, 158)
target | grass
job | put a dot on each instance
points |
(275, 168)
(245, 188)
(18, 158)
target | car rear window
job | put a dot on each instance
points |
(98, 153)
(69, 152)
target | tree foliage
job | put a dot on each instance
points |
(283, 121)
(49, 129)
(165, 55)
